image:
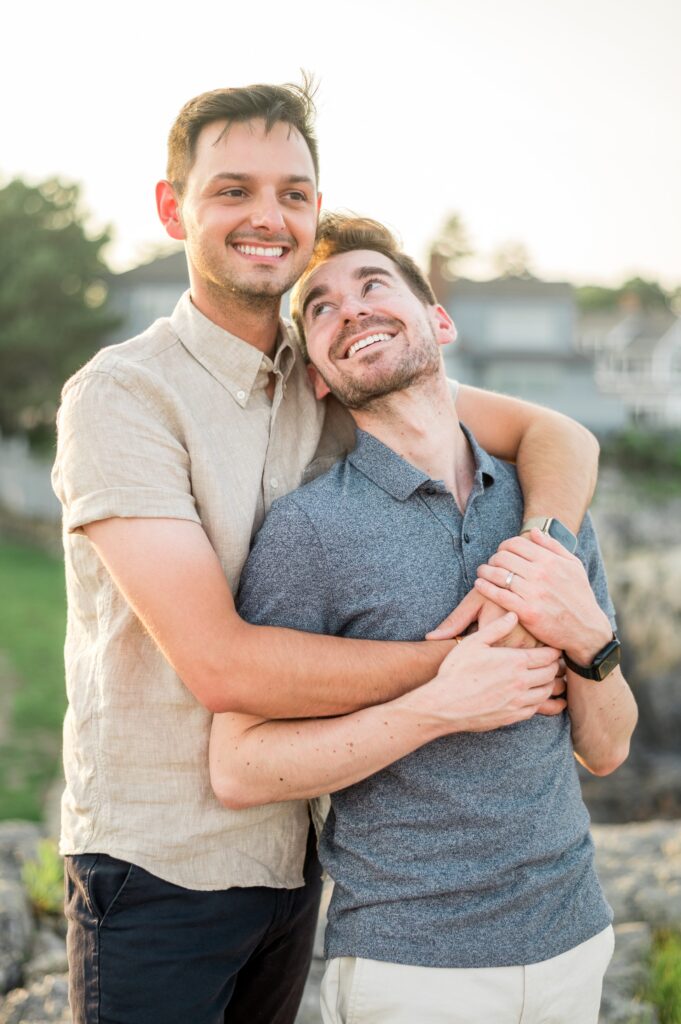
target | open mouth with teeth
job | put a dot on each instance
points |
(370, 339)
(261, 252)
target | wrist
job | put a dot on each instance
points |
(593, 640)
(424, 713)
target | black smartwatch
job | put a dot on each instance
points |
(605, 661)
(552, 527)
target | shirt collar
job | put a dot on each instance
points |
(229, 359)
(399, 478)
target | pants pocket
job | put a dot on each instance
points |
(106, 882)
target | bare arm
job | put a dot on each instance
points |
(552, 596)
(170, 575)
(556, 458)
(479, 687)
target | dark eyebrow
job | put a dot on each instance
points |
(289, 179)
(363, 272)
(314, 293)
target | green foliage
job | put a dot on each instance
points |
(44, 879)
(52, 299)
(644, 451)
(664, 990)
(647, 295)
(32, 694)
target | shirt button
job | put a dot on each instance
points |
(274, 483)
(467, 538)
(241, 395)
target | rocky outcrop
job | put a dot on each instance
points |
(641, 541)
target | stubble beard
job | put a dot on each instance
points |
(419, 365)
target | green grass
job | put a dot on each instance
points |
(32, 695)
(664, 990)
(43, 879)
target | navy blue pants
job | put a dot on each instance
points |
(144, 951)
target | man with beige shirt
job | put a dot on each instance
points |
(172, 447)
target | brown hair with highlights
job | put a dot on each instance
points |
(343, 232)
(288, 104)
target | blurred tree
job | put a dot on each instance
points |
(52, 300)
(648, 295)
(512, 260)
(451, 247)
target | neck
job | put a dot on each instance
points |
(253, 319)
(422, 426)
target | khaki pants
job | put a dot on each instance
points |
(563, 990)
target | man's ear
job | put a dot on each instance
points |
(319, 385)
(169, 210)
(445, 331)
(319, 203)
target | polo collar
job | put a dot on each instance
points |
(229, 359)
(400, 478)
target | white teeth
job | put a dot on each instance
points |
(258, 250)
(370, 340)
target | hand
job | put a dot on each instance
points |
(481, 687)
(478, 609)
(549, 592)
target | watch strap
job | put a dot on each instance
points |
(602, 665)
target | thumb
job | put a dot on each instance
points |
(459, 620)
(497, 629)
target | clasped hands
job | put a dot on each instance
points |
(548, 589)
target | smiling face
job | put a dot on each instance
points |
(367, 333)
(248, 213)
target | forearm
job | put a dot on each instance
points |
(283, 673)
(270, 761)
(556, 458)
(603, 716)
(557, 463)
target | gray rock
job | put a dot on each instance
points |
(640, 869)
(627, 976)
(15, 932)
(18, 843)
(48, 955)
(43, 1002)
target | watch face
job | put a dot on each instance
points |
(562, 535)
(610, 660)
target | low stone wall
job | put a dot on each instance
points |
(639, 866)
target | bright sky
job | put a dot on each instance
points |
(550, 122)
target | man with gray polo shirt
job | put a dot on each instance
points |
(171, 448)
(465, 889)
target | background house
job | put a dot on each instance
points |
(519, 335)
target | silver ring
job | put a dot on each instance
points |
(509, 580)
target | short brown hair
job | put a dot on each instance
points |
(343, 232)
(290, 104)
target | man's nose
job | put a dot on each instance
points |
(267, 214)
(353, 307)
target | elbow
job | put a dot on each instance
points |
(609, 762)
(233, 793)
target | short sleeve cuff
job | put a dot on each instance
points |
(129, 503)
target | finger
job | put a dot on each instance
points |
(495, 630)
(499, 577)
(502, 596)
(460, 619)
(511, 562)
(541, 657)
(559, 686)
(552, 706)
(550, 543)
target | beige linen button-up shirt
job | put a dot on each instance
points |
(175, 423)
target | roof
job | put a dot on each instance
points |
(171, 269)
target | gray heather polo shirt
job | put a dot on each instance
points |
(473, 851)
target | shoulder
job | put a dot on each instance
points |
(126, 362)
